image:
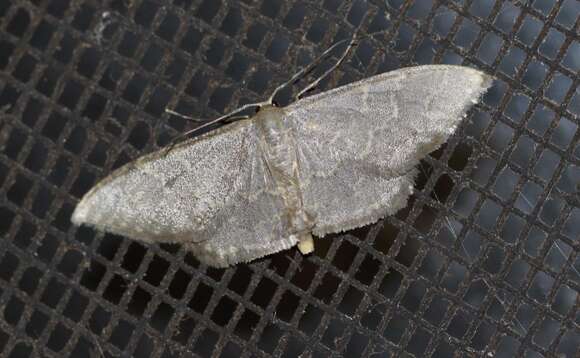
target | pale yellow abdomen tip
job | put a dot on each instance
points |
(306, 245)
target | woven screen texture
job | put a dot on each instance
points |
(483, 262)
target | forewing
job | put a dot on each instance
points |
(210, 193)
(358, 144)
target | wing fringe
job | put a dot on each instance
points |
(227, 256)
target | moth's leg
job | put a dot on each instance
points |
(207, 124)
(235, 118)
(353, 42)
(191, 119)
(306, 244)
(197, 120)
(176, 140)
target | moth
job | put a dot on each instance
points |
(324, 164)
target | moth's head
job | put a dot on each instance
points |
(267, 107)
(270, 113)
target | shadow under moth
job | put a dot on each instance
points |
(324, 164)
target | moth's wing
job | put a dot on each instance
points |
(209, 193)
(253, 225)
(358, 145)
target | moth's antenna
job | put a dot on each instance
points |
(306, 70)
(172, 112)
(269, 101)
(295, 78)
(353, 42)
(316, 82)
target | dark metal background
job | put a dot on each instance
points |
(484, 261)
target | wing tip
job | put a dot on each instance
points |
(475, 86)
(81, 215)
(486, 81)
(85, 209)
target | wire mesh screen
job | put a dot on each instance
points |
(484, 260)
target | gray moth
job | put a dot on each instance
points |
(324, 164)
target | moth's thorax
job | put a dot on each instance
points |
(275, 140)
(277, 145)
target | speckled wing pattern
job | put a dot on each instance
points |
(326, 163)
(358, 145)
(211, 193)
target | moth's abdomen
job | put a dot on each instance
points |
(278, 152)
